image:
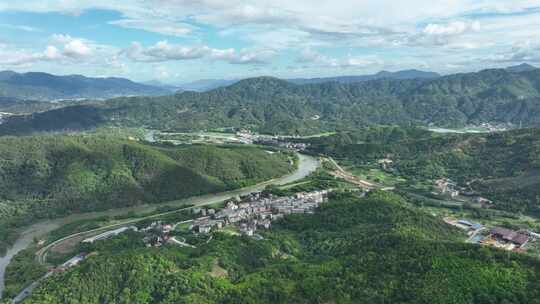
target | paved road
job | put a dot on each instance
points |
(181, 243)
(344, 174)
(306, 166)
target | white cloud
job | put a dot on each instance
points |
(252, 56)
(311, 57)
(527, 51)
(15, 57)
(165, 27)
(64, 50)
(447, 31)
(76, 48)
(452, 35)
(52, 53)
(451, 29)
(165, 51)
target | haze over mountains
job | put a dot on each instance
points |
(405, 74)
(44, 86)
(210, 84)
(40, 86)
(47, 87)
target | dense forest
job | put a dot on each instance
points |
(502, 165)
(50, 175)
(352, 250)
(276, 106)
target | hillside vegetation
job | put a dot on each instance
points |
(277, 106)
(504, 166)
(371, 250)
(47, 176)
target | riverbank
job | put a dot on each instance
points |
(306, 165)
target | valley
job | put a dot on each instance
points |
(269, 152)
(306, 165)
(355, 172)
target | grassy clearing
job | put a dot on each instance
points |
(374, 174)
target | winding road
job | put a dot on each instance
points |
(306, 165)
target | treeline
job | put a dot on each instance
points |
(371, 250)
(48, 176)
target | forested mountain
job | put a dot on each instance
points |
(277, 106)
(504, 166)
(371, 250)
(204, 85)
(45, 87)
(47, 176)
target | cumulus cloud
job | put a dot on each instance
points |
(62, 49)
(454, 35)
(76, 48)
(165, 51)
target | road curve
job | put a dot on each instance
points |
(306, 165)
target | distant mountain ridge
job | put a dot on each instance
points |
(46, 87)
(273, 105)
(405, 74)
(204, 85)
(524, 67)
(166, 86)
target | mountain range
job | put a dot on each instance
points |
(47, 87)
(204, 85)
(405, 74)
(273, 105)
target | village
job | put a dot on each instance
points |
(446, 187)
(245, 215)
(232, 136)
(257, 211)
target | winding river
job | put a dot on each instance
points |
(306, 165)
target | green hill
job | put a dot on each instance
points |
(47, 176)
(371, 250)
(504, 166)
(277, 106)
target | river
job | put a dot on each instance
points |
(306, 165)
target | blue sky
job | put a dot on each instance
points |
(181, 40)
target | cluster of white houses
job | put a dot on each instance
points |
(258, 211)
